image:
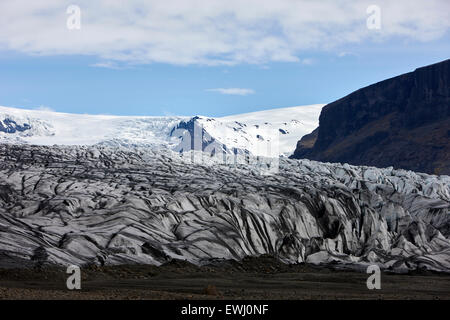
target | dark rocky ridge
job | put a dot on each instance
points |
(401, 122)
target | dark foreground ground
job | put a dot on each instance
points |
(254, 278)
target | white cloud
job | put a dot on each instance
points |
(344, 54)
(213, 32)
(233, 91)
(308, 61)
(107, 65)
(44, 108)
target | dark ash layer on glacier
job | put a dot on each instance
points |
(99, 205)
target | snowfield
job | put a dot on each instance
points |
(283, 127)
(54, 128)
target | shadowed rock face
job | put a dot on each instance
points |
(402, 122)
(84, 205)
(11, 126)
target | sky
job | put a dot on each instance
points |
(212, 58)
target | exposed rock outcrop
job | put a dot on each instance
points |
(8, 125)
(401, 122)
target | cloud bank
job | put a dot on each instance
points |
(233, 91)
(213, 32)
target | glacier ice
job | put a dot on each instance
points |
(111, 205)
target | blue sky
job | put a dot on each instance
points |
(175, 80)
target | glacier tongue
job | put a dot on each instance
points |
(50, 128)
(104, 205)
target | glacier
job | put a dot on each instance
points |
(242, 132)
(108, 205)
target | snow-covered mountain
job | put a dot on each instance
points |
(281, 127)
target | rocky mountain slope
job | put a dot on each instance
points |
(106, 206)
(402, 122)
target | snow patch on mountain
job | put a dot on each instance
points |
(280, 127)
